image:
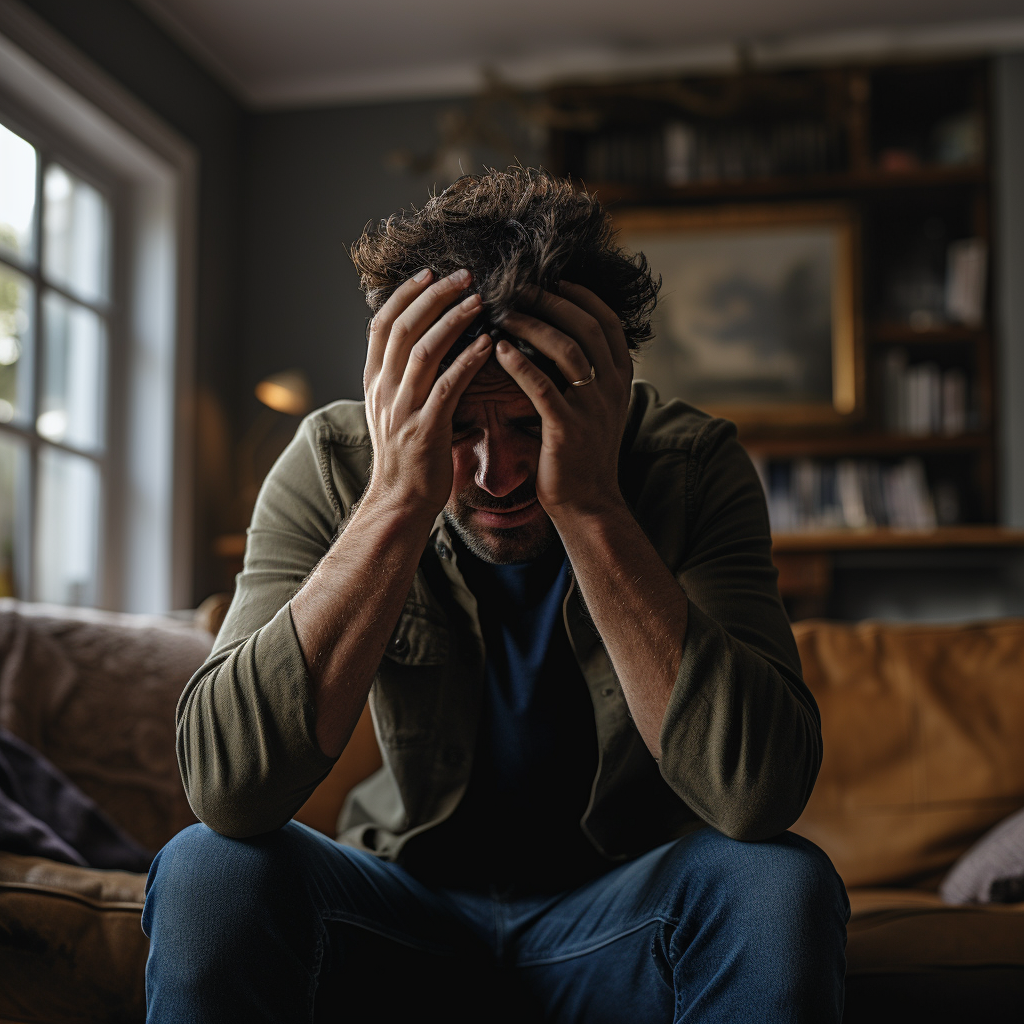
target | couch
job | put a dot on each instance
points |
(923, 730)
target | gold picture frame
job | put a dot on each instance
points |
(758, 319)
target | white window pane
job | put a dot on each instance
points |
(13, 513)
(76, 227)
(15, 346)
(67, 529)
(17, 194)
(73, 404)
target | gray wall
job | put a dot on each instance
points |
(314, 178)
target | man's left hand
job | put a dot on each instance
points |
(637, 605)
(581, 430)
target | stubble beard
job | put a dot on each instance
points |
(499, 546)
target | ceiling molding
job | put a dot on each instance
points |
(464, 78)
(956, 38)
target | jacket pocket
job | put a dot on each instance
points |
(418, 639)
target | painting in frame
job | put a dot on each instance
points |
(757, 319)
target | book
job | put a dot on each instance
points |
(965, 281)
(922, 399)
(680, 145)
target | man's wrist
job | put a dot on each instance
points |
(600, 513)
(402, 512)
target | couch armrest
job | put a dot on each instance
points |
(71, 942)
(95, 692)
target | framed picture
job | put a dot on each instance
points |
(757, 319)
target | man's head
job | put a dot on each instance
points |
(493, 506)
(512, 230)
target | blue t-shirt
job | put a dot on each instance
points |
(518, 824)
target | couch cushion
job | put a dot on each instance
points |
(922, 749)
(95, 693)
(911, 957)
(896, 931)
(71, 943)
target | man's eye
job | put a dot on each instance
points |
(532, 429)
(461, 428)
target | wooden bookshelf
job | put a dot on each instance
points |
(883, 143)
(800, 186)
(882, 539)
(946, 334)
(862, 443)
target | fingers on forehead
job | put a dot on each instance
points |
(609, 320)
(586, 299)
(552, 338)
(437, 296)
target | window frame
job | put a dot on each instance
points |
(109, 458)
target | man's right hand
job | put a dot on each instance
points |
(347, 609)
(408, 407)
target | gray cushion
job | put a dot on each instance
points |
(992, 870)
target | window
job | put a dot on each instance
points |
(97, 228)
(55, 340)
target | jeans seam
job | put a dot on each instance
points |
(543, 961)
(318, 961)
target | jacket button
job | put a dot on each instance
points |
(444, 552)
(400, 645)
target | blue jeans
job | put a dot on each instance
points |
(290, 926)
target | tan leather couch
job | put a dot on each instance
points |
(924, 751)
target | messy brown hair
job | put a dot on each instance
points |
(511, 228)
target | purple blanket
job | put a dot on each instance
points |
(43, 814)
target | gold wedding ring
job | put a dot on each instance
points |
(586, 380)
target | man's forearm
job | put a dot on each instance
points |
(637, 606)
(346, 611)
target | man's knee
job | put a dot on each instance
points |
(775, 886)
(203, 874)
(758, 923)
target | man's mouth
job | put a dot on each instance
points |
(505, 518)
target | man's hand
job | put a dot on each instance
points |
(637, 605)
(347, 609)
(581, 430)
(408, 407)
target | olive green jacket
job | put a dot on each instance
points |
(741, 739)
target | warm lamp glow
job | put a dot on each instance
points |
(288, 392)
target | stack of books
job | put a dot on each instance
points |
(741, 152)
(679, 153)
(853, 494)
(921, 398)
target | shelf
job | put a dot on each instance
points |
(871, 180)
(876, 444)
(887, 539)
(903, 334)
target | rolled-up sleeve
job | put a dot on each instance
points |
(741, 737)
(246, 739)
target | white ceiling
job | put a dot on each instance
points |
(298, 52)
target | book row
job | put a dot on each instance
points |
(807, 494)
(680, 153)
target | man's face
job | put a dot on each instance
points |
(495, 448)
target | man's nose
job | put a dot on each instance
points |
(500, 466)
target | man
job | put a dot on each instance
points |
(559, 597)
